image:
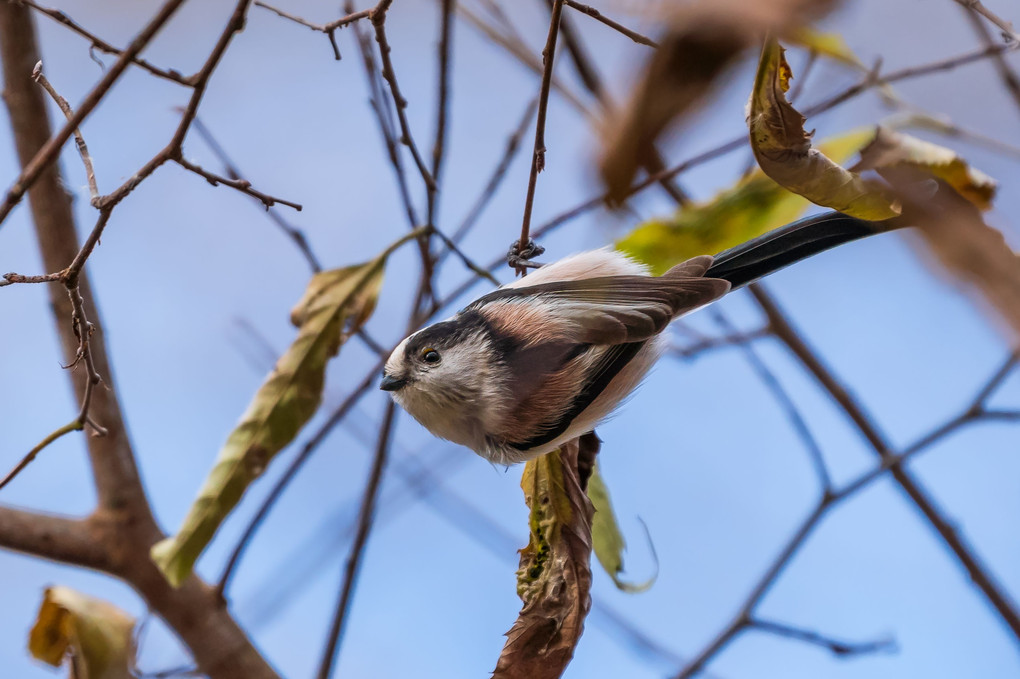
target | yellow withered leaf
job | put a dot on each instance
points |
(829, 45)
(335, 304)
(783, 149)
(96, 636)
(892, 151)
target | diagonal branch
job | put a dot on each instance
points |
(47, 152)
(366, 515)
(842, 649)
(919, 495)
(120, 532)
(62, 539)
(538, 156)
(1006, 73)
(103, 46)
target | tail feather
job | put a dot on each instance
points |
(782, 247)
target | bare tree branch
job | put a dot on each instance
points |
(598, 16)
(919, 495)
(49, 151)
(843, 649)
(1005, 26)
(366, 514)
(70, 541)
(103, 46)
(538, 157)
(1009, 77)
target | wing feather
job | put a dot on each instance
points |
(604, 310)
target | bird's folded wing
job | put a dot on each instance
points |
(601, 311)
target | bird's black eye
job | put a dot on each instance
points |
(430, 356)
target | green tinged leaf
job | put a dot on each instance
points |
(95, 635)
(754, 206)
(335, 304)
(607, 537)
(554, 578)
(829, 45)
(783, 149)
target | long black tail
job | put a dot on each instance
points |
(782, 247)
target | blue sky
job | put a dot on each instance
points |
(702, 453)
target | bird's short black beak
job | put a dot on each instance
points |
(391, 383)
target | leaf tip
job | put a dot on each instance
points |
(170, 561)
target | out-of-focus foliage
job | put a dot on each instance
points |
(335, 304)
(702, 40)
(894, 152)
(755, 205)
(96, 636)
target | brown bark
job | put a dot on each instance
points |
(117, 537)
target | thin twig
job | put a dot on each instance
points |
(51, 150)
(329, 29)
(366, 514)
(706, 344)
(515, 46)
(74, 425)
(588, 74)
(538, 157)
(1009, 77)
(388, 128)
(785, 401)
(105, 47)
(965, 553)
(378, 18)
(1005, 26)
(12, 278)
(291, 231)
(445, 49)
(598, 16)
(843, 649)
(310, 447)
(513, 144)
(65, 108)
(242, 185)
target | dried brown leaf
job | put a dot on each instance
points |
(893, 151)
(783, 148)
(96, 636)
(554, 578)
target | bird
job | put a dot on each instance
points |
(544, 359)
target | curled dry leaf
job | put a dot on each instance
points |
(783, 148)
(335, 304)
(702, 40)
(554, 578)
(755, 205)
(95, 635)
(607, 538)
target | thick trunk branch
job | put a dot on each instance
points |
(117, 537)
(58, 538)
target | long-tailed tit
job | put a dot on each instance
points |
(544, 359)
